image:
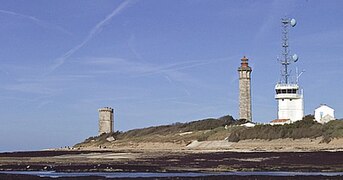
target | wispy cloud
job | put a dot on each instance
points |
(32, 83)
(153, 69)
(35, 88)
(172, 72)
(267, 24)
(95, 30)
(139, 69)
(36, 20)
(130, 44)
(181, 86)
(55, 79)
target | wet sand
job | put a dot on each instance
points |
(171, 161)
(28, 177)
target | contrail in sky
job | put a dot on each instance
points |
(36, 20)
(95, 30)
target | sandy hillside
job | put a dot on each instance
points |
(304, 144)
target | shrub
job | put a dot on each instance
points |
(200, 125)
(332, 129)
(301, 129)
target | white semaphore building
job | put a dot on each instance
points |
(289, 95)
(290, 102)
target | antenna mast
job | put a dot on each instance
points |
(286, 59)
(287, 91)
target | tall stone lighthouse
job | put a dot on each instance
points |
(105, 120)
(244, 72)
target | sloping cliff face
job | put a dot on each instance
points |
(256, 145)
(224, 134)
(276, 145)
(177, 134)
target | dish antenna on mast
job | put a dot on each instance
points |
(295, 57)
(287, 59)
(293, 22)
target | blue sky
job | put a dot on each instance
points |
(156, 62)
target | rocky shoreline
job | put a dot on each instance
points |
(171, 161)
(219, 177)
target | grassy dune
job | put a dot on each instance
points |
(206, 129)
(307, 128)
(214, 129)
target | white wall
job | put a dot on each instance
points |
(292, 109)
(323, 111)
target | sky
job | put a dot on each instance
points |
(155, 62)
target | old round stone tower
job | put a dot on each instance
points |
(244, 72)
(105, 120)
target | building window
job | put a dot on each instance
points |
(291, 91)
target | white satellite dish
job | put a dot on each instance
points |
(293, 22)
(295, 57)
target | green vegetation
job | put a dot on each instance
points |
(200, 125)
(333, 129)
(206, 129)
(102, 137)
(214, 129)
(307, 128)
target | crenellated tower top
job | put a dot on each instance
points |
(109, 109)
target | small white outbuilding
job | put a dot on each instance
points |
(324, 114)
(280, 122)
(248, 124)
